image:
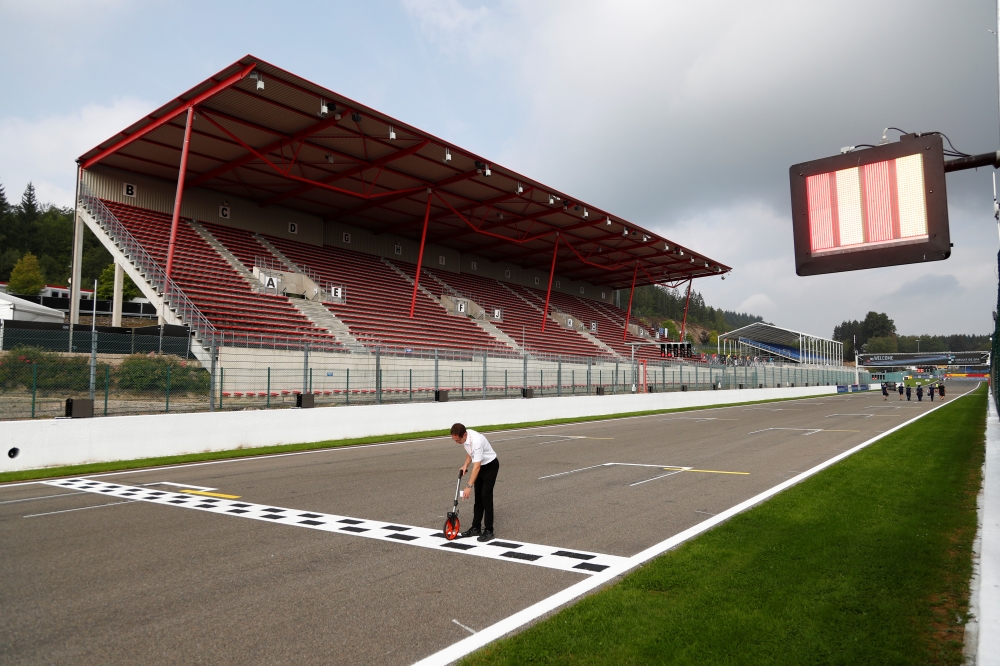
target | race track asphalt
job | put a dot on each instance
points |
(90, 579)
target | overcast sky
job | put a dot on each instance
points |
(681, 117)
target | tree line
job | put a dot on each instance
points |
(36, 242)
(660, 303)
(876, 334)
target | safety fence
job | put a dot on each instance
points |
(995, 345)
(145, 374)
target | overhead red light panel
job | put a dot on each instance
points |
(881, 206)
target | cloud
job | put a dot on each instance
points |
(758, 304)
(43, 150)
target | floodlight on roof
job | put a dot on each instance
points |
(519, 188)
(324, 110)
(486, 171)
(259, 78)
(392, 134)
(329, 158)
(609, 221)
(552, 199)
(625, 232)
(356, 117)
(447, 155)
(585, 212)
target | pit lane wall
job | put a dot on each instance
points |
(58, 442)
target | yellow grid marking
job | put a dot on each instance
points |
(208, 494)
(706, 471)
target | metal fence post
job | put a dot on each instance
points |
(559, 376)
(572, 381)
(378, 375)
(268, 404)
(463, 383)
(34, 386)
(107, 382)
(484, 375)
(310, 380)
(211, 375)
(347, 387)
(524, 383)
(305, 368)
(614, 384)
(411, 384)
(541, 382)
(222, 381)
(93, 357)
(505, 382)
(167, 410)
(437, 385)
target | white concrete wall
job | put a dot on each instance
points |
(73, 442)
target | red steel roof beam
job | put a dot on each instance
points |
(170, 115)
(271, 147)
(381, 161)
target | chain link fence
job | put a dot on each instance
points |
(149, 373)
(995, 345)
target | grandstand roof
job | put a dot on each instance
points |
(770, 334)
(272, 146)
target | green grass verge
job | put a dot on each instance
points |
(868, 562)
(139, 463)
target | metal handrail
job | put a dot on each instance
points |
(173, 296)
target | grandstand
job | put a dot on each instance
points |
(256, 167)
(781, 344)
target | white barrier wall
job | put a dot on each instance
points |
(58, 442)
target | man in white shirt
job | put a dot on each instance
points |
(483, 477)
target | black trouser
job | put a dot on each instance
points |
(485, 481)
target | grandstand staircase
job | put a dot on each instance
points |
(172, 305)
(586, 334)
(313, 311)
(323, 318)
(226, 254)
(487, 326)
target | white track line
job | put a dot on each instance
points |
(82, 508)
(29, 499)
(471, 631)
(355, 447)
(806, 430)
(486, 636)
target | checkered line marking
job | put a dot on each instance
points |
(505, 550)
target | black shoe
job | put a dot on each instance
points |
(471, 532)
(487, 536)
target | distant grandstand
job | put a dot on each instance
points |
(781, 345)
(259, 205)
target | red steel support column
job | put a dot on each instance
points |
(420, 257)
(180, 190)
(628, 313)
(552, 271)
(687, 302)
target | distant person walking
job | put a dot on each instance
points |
(900, 391)
(908, 389)
(930, 392)
(941, 389)
(885, 391)
(920, 393)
